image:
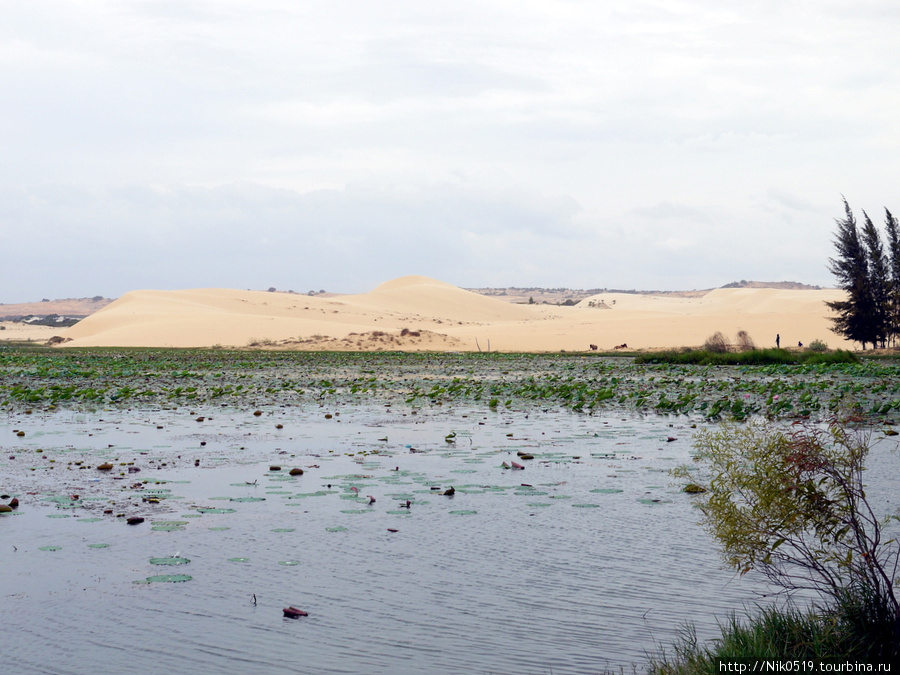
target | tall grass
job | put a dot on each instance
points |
(855, 629)
(753, 357)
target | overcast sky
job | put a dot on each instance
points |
(660, 144)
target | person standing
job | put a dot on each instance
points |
(778, 341)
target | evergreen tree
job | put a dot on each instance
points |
(892, 228)
(855, 318)
(879, 281)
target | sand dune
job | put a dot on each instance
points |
(418, 313)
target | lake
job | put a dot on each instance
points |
(584, 561)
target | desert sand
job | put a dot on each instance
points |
(417, 313)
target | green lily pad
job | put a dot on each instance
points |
(586, 506)
(283, 529)
(98, 545)
(289, 563)
(240, 560)
(335, 529)
(89, 520)
(248, 499)
(49, 548)
(356, 511)
(166, 578)
(204, 509)
(606, 491)
(464, 512)
(538, 505)
(218, 529)
(171, 560)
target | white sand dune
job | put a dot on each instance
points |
(417, 313)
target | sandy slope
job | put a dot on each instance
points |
(418, 313)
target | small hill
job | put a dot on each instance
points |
(74, 308)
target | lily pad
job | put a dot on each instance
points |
(336, 529)
(204, 509)
(606, 491)
(49, 548)
(464, 512)
(166, 578)
(283, 529)
(218, 529)
(240, 560)
(171, 560)
(289, 563)
(89, 520)
(586, 506)
(248, 499)
(98, 545)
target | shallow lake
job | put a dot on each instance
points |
(584, 561)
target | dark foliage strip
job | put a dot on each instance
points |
(108, 378)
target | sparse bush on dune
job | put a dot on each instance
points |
(744, 341)
(716, 343)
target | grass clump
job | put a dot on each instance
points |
(849, 630)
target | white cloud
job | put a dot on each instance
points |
(555, 134)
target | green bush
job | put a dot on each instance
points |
(791, 503)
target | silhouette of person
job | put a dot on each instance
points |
(778, 341)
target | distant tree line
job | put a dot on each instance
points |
(867, 267)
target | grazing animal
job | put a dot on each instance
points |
(621, 346)
(594, 348)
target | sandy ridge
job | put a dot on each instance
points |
(418, 313)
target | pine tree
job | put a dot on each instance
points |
(855, 318)
(892, 229)
(879, 281)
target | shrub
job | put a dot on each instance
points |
(817, 346)
(791, 504)
(716, 343)
(744, 341)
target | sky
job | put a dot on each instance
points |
(668, 145)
